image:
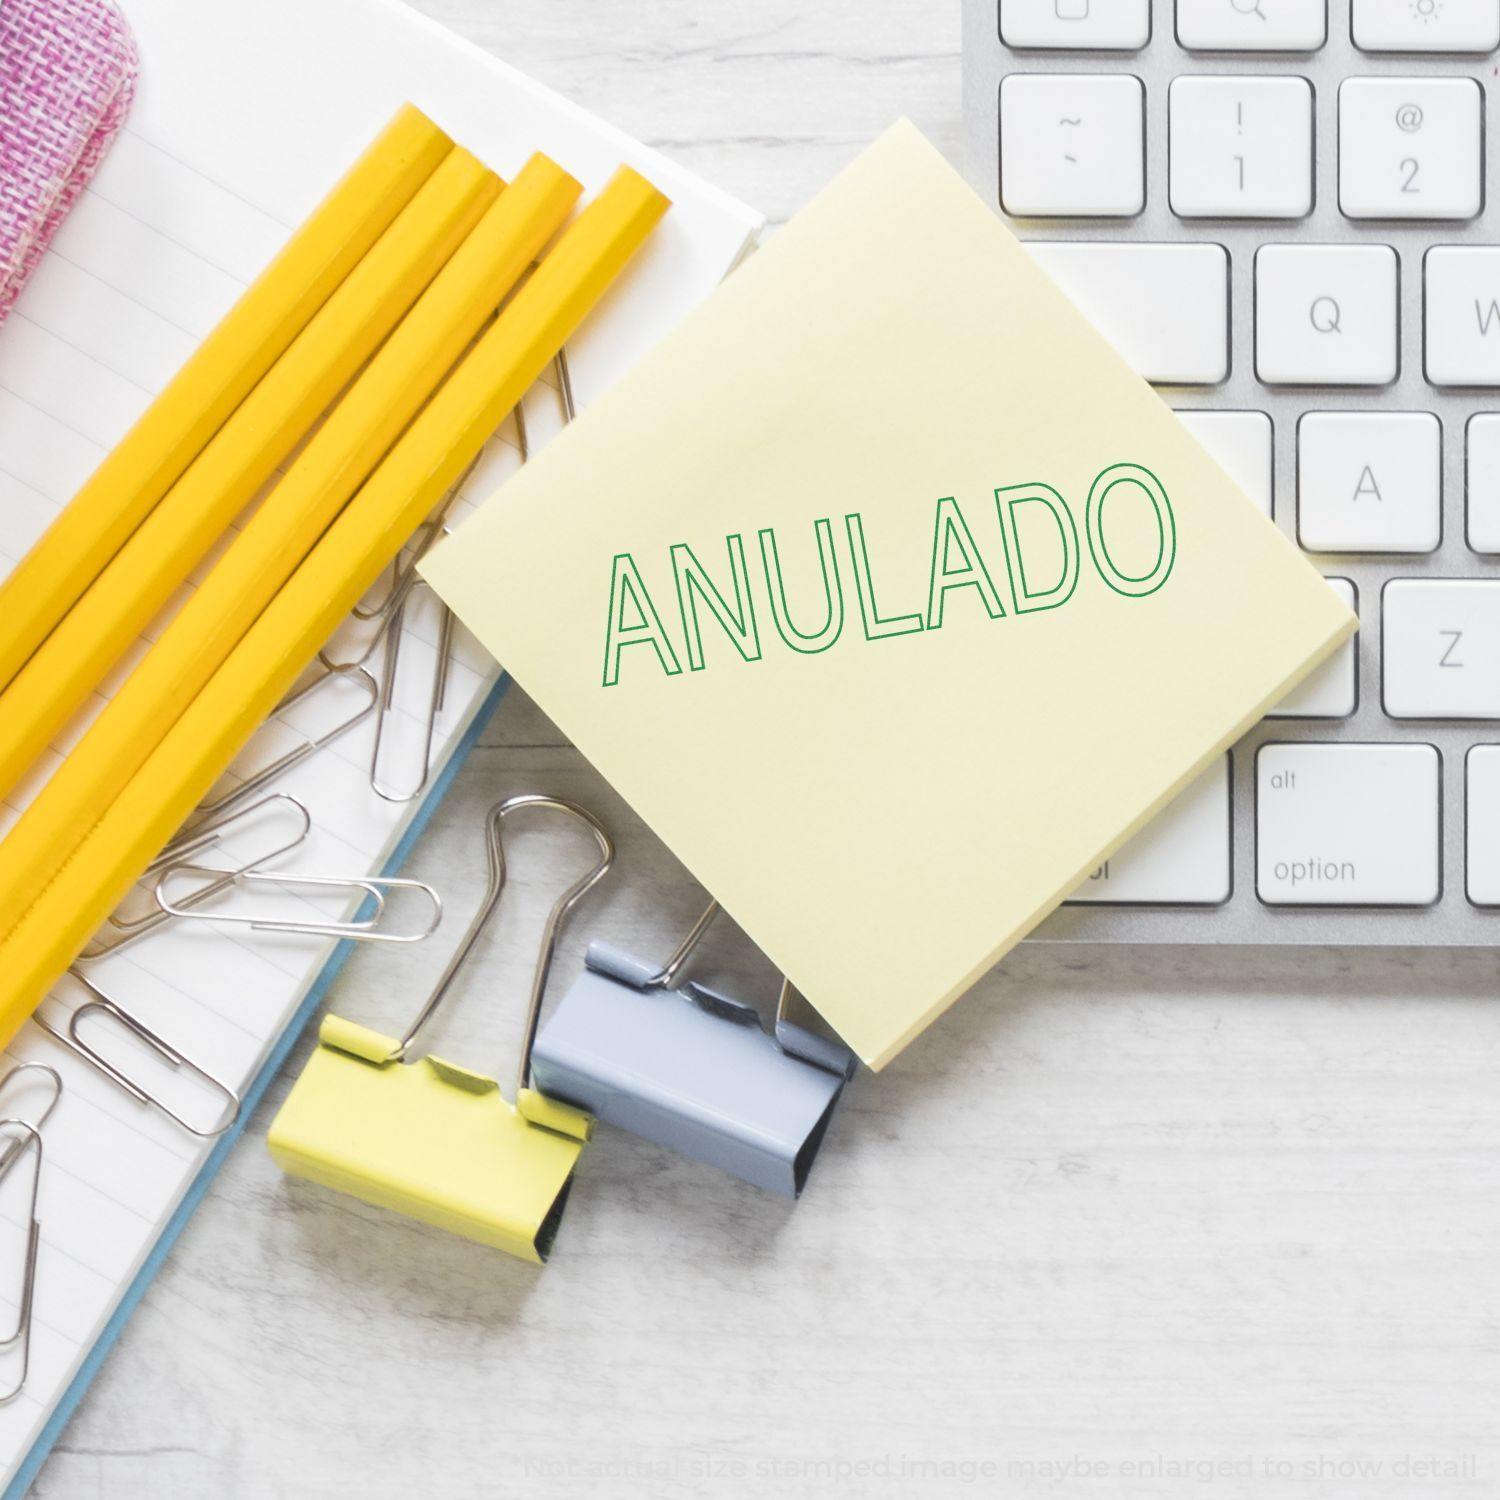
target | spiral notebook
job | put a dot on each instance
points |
(244, 115)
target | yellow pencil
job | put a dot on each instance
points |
(60, 917)
(153, 454)
(338, 459)
(267, 425)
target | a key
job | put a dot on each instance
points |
(1347, 825)
(1251, 25)
(1411, 148)
(1072, 144)
(1427, 25)
(1326, 314)
(1240, 443)
(1099, 25)
(1440, 644)
(1482, 824)
(1463, 315)
(1483, 471)
(1164, 307)
(1182, 856)
(1369, 482)
(1331, 692)
(1241, 148)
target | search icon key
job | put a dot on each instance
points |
(1253, 25)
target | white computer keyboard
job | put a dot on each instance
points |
(1280, 212)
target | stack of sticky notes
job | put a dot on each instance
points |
(889, 596)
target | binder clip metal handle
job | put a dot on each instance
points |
(691, 1068)
(495, 888)
(791, 1029)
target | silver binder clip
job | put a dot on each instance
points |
(100, 1004)
(366, 926)
(691, 1068)
(22, 1137)
(127, 925)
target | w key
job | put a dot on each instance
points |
(1463, 315)
(1441, 647)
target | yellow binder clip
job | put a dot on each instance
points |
(433, 1140)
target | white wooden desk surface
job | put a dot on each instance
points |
(1150, 1209)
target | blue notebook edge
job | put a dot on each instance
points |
(63, 1411)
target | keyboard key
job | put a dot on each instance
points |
(1463, 315)
(1440, 642)
(1427, 25)
(1348, 825)
(1252, 25)
(1182, 857)
(1240, 443)
(1101, 25)
(1072, 144)
(1369, 482)
(1483, 444)
(1411, 148)
(1326, 314)
(1242, 148)
(1164, 307)
(1332, 692)
(1482, 824)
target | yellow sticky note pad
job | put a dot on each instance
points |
(889, 596)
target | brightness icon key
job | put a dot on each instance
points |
(1471, 26)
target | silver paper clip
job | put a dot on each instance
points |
(403, 577)
(101, 1004)
(437, 695)
(691, 1068)
(12, 1148)
(23, 1136)
(311, 744)
(392, 616)
(364, 927)
(125, 929)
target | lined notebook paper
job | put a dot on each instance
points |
(245, 115)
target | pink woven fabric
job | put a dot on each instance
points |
(67, 75)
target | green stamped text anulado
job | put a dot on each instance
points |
(746, 600)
